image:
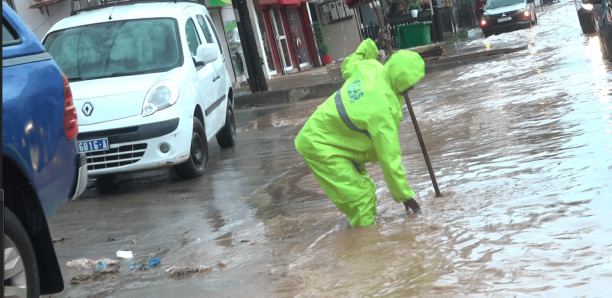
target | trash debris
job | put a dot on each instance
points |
(99, 266)
(58, 239)
(135, 265)
(177, 272)
(111, 270)
(125, 254)
(88, 263)
(152, 263)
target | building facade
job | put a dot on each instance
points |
(283, 30)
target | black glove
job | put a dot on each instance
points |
(412, 204)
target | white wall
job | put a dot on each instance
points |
(345, 38)
(341, 36)
(38, 20)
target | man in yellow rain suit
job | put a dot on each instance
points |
(360, 123)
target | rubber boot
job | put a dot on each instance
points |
(412, 204)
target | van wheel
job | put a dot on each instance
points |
(20, 268)
(227, 136)
(198, 154)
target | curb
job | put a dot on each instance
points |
(326, 89)
(284, 96)
(455, 61)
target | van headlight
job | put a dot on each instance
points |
(162, 95)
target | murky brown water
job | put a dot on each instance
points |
(522, 149)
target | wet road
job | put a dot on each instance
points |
(522, 149)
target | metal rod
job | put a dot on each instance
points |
(422, 143)
(407, 99)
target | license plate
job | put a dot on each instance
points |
(504, 19)
(93, 145)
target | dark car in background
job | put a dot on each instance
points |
(41, 168)
(602, 22)
(501, 16)
(595, 16)
(584, 10)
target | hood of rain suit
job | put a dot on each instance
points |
(404, 69)
(360, 122)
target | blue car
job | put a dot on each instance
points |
(41, 169)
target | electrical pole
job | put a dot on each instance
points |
(257, 80)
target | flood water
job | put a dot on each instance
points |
(522, 150)
(521, 146)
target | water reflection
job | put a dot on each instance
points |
(521, 147)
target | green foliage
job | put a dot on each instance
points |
(414, 4)
(321, 32)
(453, 37)
(322, 49)
(321, 36)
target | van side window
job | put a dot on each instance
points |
(193, 40)
(205, 29)
(215, 33)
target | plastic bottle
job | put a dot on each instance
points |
(154, 261)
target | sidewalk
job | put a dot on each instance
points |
(323, 81)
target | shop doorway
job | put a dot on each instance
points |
(297, 37)
(267, 44)
(276, 21)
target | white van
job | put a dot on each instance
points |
(149, 84)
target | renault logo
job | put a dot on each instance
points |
(87, 109)
(503, 14)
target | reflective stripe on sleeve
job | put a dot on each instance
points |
(345, 118)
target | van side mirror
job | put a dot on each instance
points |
(205, 54)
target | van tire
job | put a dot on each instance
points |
(195, 165)
(227, 136)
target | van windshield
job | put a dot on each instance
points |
(117, 48)
(491, 4)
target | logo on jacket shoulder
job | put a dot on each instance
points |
(354, 90)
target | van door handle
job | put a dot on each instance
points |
(216, 77)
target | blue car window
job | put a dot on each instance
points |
(9, 34)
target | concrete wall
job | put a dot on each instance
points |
(341, 36)
(345, 38)
(38, 19)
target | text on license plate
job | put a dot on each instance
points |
(504, 19)
(93, 145)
